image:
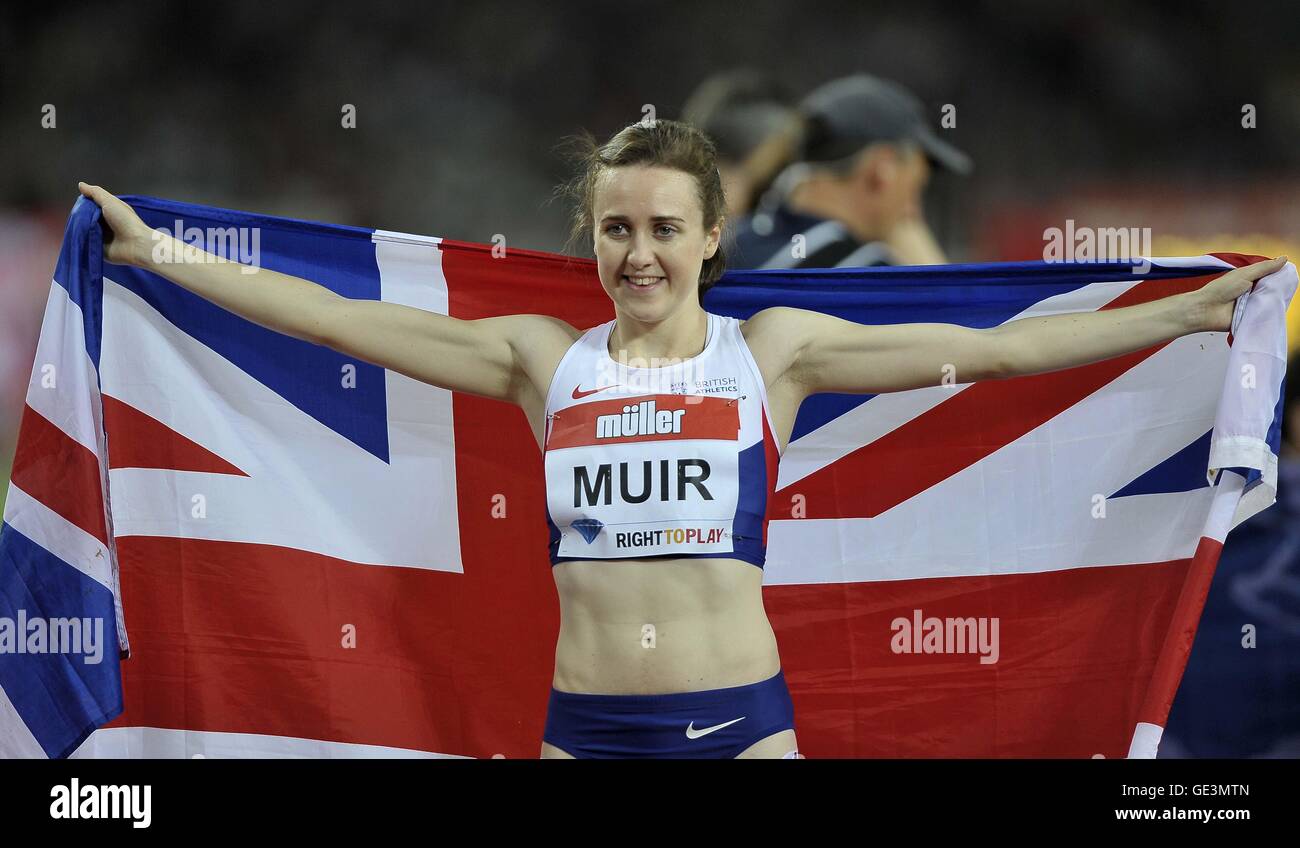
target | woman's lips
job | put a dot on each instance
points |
(627, 281)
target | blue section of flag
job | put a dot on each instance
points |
(78, 270)
(1182, 472)
(61, 697)
(311, 377)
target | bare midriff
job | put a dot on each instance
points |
(657, 626)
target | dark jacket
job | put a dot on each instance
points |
(767, 241)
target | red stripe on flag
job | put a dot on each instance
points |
(1237, 260)
(138, 440)
(771, 459)
(60, 472)
(248, 638)
(960, 432)
(1077, 651)
(251, 639)
(1184, 621)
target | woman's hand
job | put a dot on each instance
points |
(130, 238)
(1214, 304)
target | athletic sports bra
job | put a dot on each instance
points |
(677, 460)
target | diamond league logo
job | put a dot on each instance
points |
(589, 528)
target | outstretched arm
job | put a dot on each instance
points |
(1051, 343)
(480, 357)
(835, 355)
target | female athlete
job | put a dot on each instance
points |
(658, 476)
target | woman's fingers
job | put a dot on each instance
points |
(95, 193)
(1262, 269)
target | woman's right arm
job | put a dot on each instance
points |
(478, 357)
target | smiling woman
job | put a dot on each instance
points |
(677, 150)
(665, 649)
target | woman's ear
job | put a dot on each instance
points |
(714, 239)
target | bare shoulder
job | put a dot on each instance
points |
(536, 335)
(778, 320)
(775, 337)
(538, 343)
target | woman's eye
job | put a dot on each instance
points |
(662, 229)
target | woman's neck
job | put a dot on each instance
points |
(676, 337)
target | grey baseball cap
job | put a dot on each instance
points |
(846, 114)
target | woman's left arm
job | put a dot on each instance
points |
(829, 354)
(1051, 343)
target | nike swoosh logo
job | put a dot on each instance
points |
(692, 733)
(578, 394)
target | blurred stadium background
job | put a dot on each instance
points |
(1104, 113)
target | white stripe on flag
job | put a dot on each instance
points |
(64, 389)
(1251, 386)
(156, 742)
(1227, 503)
(290, 497)
(1032, 503)
(63, 383)
(869, 421)
(59, 536)
(1146, 740)
(1186, 261)
(861, 425)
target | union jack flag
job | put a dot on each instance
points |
(314, 556)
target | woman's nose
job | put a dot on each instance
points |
(639, 251)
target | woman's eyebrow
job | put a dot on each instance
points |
(652, 218)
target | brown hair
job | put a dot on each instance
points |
(670, 144)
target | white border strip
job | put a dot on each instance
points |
(165, 743)
(1146, 740)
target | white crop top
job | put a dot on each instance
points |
(678, 460)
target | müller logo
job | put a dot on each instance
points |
(641, 419)
(653, 418)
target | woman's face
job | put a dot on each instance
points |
(649, 227)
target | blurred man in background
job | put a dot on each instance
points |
(851, 193)
(740, 109)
